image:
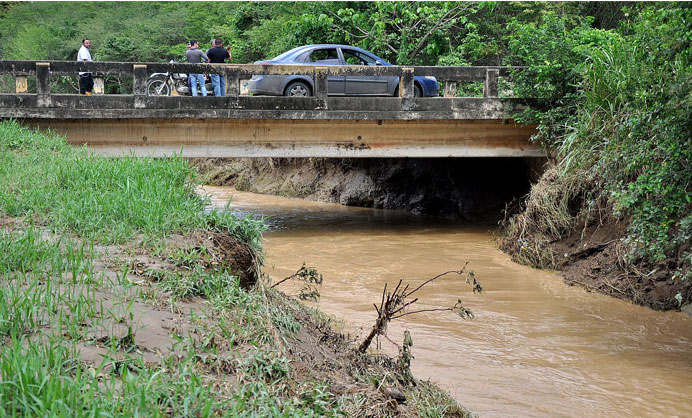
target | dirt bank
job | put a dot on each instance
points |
(592, 258)
(472, 189)
(556, 231)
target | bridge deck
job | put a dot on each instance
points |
(298, 138)
(70, 106)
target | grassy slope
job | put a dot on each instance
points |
(119, 300)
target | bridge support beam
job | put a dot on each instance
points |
(298, 138)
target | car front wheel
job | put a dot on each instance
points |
(297, 89)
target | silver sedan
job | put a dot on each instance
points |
(329, 54)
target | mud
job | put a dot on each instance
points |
(472, 189)
(595, 262)
(217, 249)
(592, 256)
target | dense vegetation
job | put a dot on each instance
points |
(617, 113)
(429, 33)
(612, 83)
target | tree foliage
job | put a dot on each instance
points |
(417, 33)
(616, 109)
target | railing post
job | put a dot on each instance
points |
(320, 92)
(232, 82)
(450, 89)
(490, 85)
(406, 83)
(98, 85)
(139, 84)
(232, 74)
(43, 84)
(42, 78)
(20, 84)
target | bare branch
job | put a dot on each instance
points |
(459, 272)
(351, 34)
(284, 279)
(424, 310)
(457, 10)
(393, 303)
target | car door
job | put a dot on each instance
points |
(369, 85)
(328, 56)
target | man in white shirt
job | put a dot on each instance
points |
(86, 81)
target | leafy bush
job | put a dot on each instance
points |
(553, 52)
(634, 128)
(617, 112)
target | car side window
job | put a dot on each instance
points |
(353, 57)
(324, 56)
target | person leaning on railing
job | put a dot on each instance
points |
(218, 55)
(86, 81)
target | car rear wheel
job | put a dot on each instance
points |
(297, 89)
(417, 91)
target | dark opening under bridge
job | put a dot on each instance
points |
(239, 125)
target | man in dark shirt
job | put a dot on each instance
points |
(218, 55)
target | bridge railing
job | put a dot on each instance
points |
(140, 72)
(45, 103)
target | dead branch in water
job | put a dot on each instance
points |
(393, 304)
(311, 279)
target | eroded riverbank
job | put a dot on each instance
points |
(536, 348)
(476, 189)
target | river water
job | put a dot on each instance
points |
(536, 348)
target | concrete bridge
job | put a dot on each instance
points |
(239, 125)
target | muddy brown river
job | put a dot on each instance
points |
(536, 348)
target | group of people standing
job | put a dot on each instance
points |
(217, 54)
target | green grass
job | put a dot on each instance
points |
(108, 200)
(45, 380)
(66, 201)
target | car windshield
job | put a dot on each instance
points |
(286, 54)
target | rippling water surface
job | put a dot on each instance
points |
(537, 348)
